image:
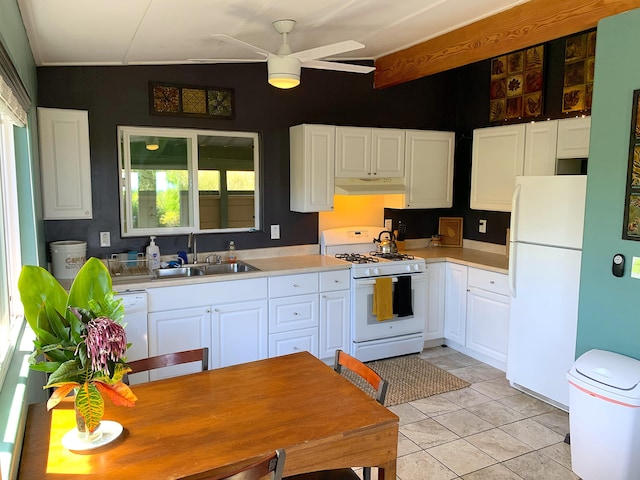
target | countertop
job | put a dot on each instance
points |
(295, 264)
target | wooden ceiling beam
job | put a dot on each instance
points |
(531, 23)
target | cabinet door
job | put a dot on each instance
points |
(335, 332)
(455, 309)
(434, 328)
(66, 163)
(312, 167)
(353, 152)
(177, 330)
(429, 169)
(573, 137)
(295, 341)
(239, 333)
(387, 152)
(540, 148)
(497, 158)
(488, 323)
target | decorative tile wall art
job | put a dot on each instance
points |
(517, 83)
(579, 64)
(191, 101)
(631, 228)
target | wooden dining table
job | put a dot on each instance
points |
(219, 418)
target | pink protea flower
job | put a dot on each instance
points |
(106, 340)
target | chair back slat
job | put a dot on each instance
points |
(169, 360)
(272, 465)
(367, 373)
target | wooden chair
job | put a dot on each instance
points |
(168, 360)
(272, 465)
(380, 386)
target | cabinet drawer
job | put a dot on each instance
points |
(288, 285)
(335, 280)
(292, 313)
(488, 280)
(292, 342)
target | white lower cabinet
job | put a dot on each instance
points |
(239, 333)
(334, 323)
(434, 326)
(478, 324)
(177, 330)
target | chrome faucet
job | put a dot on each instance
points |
(193, 246)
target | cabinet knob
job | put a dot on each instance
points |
(296, 348)
(296, 314)
(216, 309)
(492, 282)
(295, 285)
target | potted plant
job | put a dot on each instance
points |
(80, 340)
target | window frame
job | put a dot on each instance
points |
(124, 161)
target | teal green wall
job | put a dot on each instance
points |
(609, 312)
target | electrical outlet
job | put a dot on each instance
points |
(275, 232)
(105, 239)
(483, 226)
(388, 224)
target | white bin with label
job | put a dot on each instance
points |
(604, 416)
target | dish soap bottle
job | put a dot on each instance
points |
(231, 253)
(153, 255)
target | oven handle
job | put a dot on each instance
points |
(372, 281)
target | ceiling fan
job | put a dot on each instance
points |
(284, 66)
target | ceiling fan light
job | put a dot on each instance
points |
(284, 72)
(152, 144)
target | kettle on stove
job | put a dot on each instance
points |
(386, 245)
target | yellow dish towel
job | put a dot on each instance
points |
(383, 299)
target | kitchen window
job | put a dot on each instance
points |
(177, 181)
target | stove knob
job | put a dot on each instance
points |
(376, 271)
(407, 268)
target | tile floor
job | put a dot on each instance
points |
(488, 431)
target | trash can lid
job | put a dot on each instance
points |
(617, 371)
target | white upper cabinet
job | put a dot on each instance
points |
(497, 158)
(540, 148)
(312, 167)
(369, 152)
(573, 137)
(66, 163)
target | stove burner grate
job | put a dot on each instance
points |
(392, 256)
(356, 258)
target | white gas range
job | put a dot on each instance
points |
(372, 339)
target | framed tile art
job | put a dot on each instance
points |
(631, 226)
(579, 65)
(191, 101)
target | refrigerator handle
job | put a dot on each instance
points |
(514, 235)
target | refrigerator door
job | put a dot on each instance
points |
(549, 210)
(543, 319)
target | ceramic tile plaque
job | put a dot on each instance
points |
(579, 65)
(631, 228)
(517, 81)
(191, 101)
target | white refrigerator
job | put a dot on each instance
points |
(545, 252)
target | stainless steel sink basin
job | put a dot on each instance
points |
(209, 269)
(238, 267)
(179, 272)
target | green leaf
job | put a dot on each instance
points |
(90, 405)
(92, 282)
(69, 371)
(36, 286)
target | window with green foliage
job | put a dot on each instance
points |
(180, 181)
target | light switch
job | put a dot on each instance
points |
(275, 232)
(483, 226)
(105, 239)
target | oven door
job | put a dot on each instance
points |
(366, 325)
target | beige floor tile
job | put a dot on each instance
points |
(450, 362)
(526, 404)
(488, 371)
(537, 466)
(496, 413)
(557, 420)
(498, 444)
(407, 413)
(560, 452)
(495, 388)
(494, 472)
(406, 446)
(532, 433)
(436, 352)
(427, 433)
(463, 422)
(461, 456)
(466, 397)
(470, 374)
(435, 405)
(422, 466)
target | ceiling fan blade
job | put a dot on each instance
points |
(225, 60)
(240, 43)
(327, 50)
(340, 67)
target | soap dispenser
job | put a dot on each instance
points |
(153, 255)
(231, 252)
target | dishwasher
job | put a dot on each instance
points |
(135, 317)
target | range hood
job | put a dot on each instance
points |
(366, 186)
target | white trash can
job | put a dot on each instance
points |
(67, 258)
(604, 416)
